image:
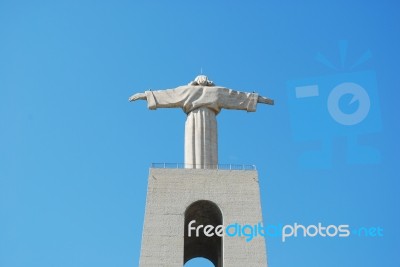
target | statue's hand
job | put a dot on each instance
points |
(138, 96)
(265, 100)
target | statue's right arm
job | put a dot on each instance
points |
(167, 98)
(138, 96)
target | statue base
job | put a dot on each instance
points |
(176, 197)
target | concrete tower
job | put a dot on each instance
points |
(185, 206)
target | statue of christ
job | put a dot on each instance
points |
(201, 100)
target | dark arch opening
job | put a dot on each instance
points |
(205, 213)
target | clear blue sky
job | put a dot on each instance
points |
(74, 154)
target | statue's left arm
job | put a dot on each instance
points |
(232, 99)
(265, 100)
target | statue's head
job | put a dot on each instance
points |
(202, 80)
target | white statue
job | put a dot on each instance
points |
(201, 100)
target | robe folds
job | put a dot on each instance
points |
(201, 104)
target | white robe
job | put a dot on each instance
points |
(201, 104)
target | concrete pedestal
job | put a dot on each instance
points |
(171, 191)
